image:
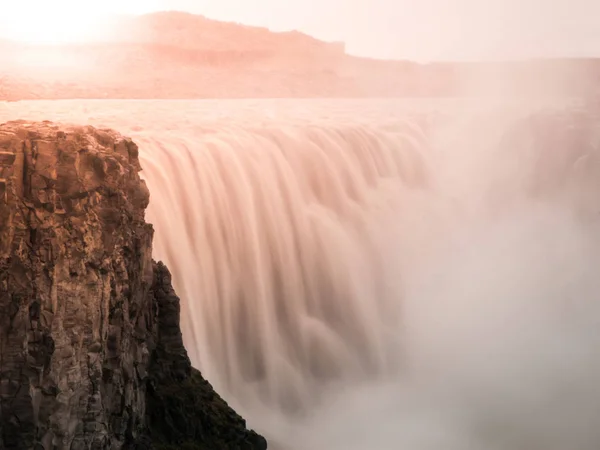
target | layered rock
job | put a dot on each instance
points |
(91, 355)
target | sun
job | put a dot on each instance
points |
(64, 21)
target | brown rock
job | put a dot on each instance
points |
(89, 330)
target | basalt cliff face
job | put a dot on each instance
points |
(91, 353)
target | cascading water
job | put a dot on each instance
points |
(392, 282)
(272, 237)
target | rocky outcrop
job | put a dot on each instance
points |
(91, 354)
(182, 407)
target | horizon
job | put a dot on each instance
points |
(461, 31)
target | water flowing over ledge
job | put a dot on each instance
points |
(273, 237)
(375, 280)
(301, 252)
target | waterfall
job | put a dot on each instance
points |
(356, 277)
(272, 236)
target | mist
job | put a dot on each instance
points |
(473, 227)
(495, 280)
(502, 347)
(406, 255)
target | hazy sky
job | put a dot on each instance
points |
(423, 29)
(426, 29)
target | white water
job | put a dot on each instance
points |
(377, 274)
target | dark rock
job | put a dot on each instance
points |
(91, 354)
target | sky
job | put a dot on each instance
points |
(426, 29)
(421, 30)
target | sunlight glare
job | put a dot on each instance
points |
(64, 21)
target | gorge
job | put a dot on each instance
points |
(378, 274)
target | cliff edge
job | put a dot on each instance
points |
(91, 354)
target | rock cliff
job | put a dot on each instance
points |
(91, 354)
